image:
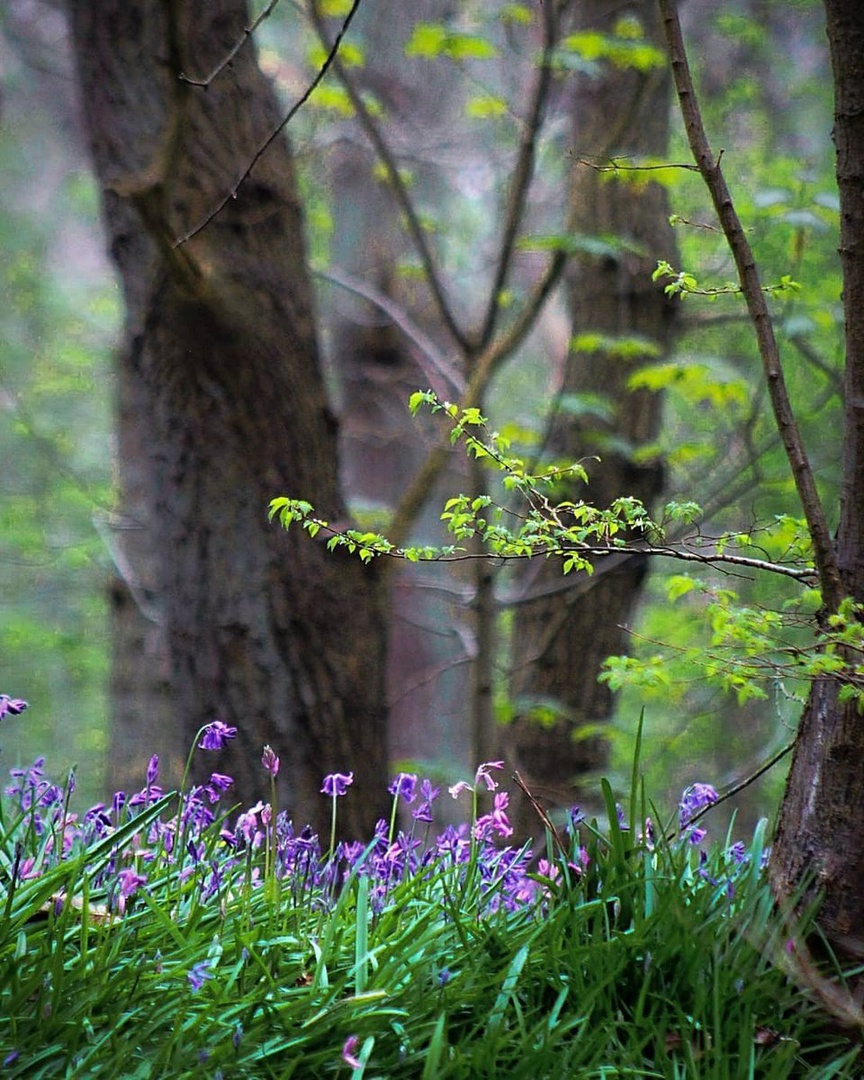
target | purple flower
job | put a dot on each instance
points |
(11, 706)
(693, 800)
(483, 774)
(404, 785)
(216, 736)
(198, 974)
(497, 821)
(349, 1050)
(218, 784)
(337, 784)
(129, 881)
(152, 770)
(270, 761)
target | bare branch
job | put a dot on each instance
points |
(521, 180)
(262, 150)
(748, 274)
(433, 361)
(400, 191)
(247, 33)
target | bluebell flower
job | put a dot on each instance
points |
(11, 706)
(337, 784)
(216, 736)
(404, 785)
(198, 974)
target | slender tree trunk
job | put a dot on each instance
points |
(822, 815)
(565, 630)
(222, 406)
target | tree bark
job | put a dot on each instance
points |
(822, 813)
(222, 406)
(564, 636)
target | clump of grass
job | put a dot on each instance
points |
(157, 936)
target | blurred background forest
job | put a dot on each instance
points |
(451, 103)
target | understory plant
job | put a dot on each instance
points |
(176, 935)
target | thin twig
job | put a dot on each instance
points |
(247, 33)
(400, 191)
(616, 166)
(541, 813)
(519, 185)
(292, 112)
(436, 360)
(736, 787)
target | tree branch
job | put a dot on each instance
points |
(394, 178)
(483, 368)
(247, 33)
(748, 275)
(262, 150)
(521, 179)
(432, 360)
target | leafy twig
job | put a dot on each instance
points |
(709, 168)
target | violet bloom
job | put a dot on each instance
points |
(337, 784)
(130, 881)
(216, 736)
(496, 821)
(216, 787)
(693, 800)
(270, 761)
(483, 774)
(349, 1050)
(152, 770)
(404, 785)
(11, 706)
(198, 974)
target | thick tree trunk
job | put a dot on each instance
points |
(222, 406)
(564, 636)
(822, 815)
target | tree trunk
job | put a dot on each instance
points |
(566, 629)
(822, 813)
(222, 406)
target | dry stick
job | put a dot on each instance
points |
(262, 149)
(748, 275)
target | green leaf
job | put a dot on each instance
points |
(334, 8)
(429, 40)
(485, 107)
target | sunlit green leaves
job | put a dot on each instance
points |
(485, 107)
(626, 348)
(698, 382)
(624, 48)
(520, 14)
(430, 40)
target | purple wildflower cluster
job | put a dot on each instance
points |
(213, 860)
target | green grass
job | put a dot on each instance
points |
(617, 956)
